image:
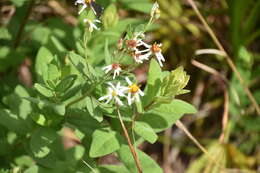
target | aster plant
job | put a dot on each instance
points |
(92, 90)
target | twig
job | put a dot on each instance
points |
(225, 117)
(229, 61)
(226, 97)
(132, 149)
(23, 23)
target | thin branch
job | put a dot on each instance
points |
(226, 97)
(223, 135)
(132, 149)
(229, 61)
(23, 23)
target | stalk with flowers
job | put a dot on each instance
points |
(93, 91)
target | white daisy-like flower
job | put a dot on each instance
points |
(136, 41)
(139, 58)
(156, 50)
(91, 24)
(115, 67)
(134, 92)
(114, 92)
(83, 3)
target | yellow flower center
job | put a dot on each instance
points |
(89, 1)
(114, 94)
(133, 88)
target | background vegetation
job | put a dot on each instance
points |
(227, 123)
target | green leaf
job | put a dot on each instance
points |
(174, 83)
(82, 121)
(75, 154)
(81, 64)
(17, 104)
(153, 82)
(110, 16)
(93, 109)
(43, 90)
(53, 73)
(148, 164)
(164, 116)
(66, 83)
(47, 106)
(140, 5)
(103, 142)
(43, 58)
(57, 44)
(13, 122)
(113, 169)
(41, 140)
(176, 107)
(145, 130)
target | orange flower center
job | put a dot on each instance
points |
(131, 43)
(115, 66)
(155, 48)
(133, 88)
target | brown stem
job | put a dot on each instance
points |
(24, 21)
(229, 60)
(132, 149)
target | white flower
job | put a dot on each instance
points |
(134, 92)
(91, 24)
(138, 57)
(84, 4)
(115, 67)
(156, 50)
(136, 41)
(113, 93)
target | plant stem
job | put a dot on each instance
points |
(132, 149)
(23, 23)
(229, 60)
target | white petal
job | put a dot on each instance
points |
(118, 101)
(144, 44)
(145, 56)
(109, 99)
(83, 8)
(160, 58)
(128, 81)
(97, 21)
(140, 92)
(129, 99)
(103, 97)
(142, 51)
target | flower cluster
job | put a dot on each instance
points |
(136, 47)
(91, 23)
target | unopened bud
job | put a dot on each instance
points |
(120, 44)
(155, 12)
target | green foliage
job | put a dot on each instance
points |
(147, 163)
(70, 85)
